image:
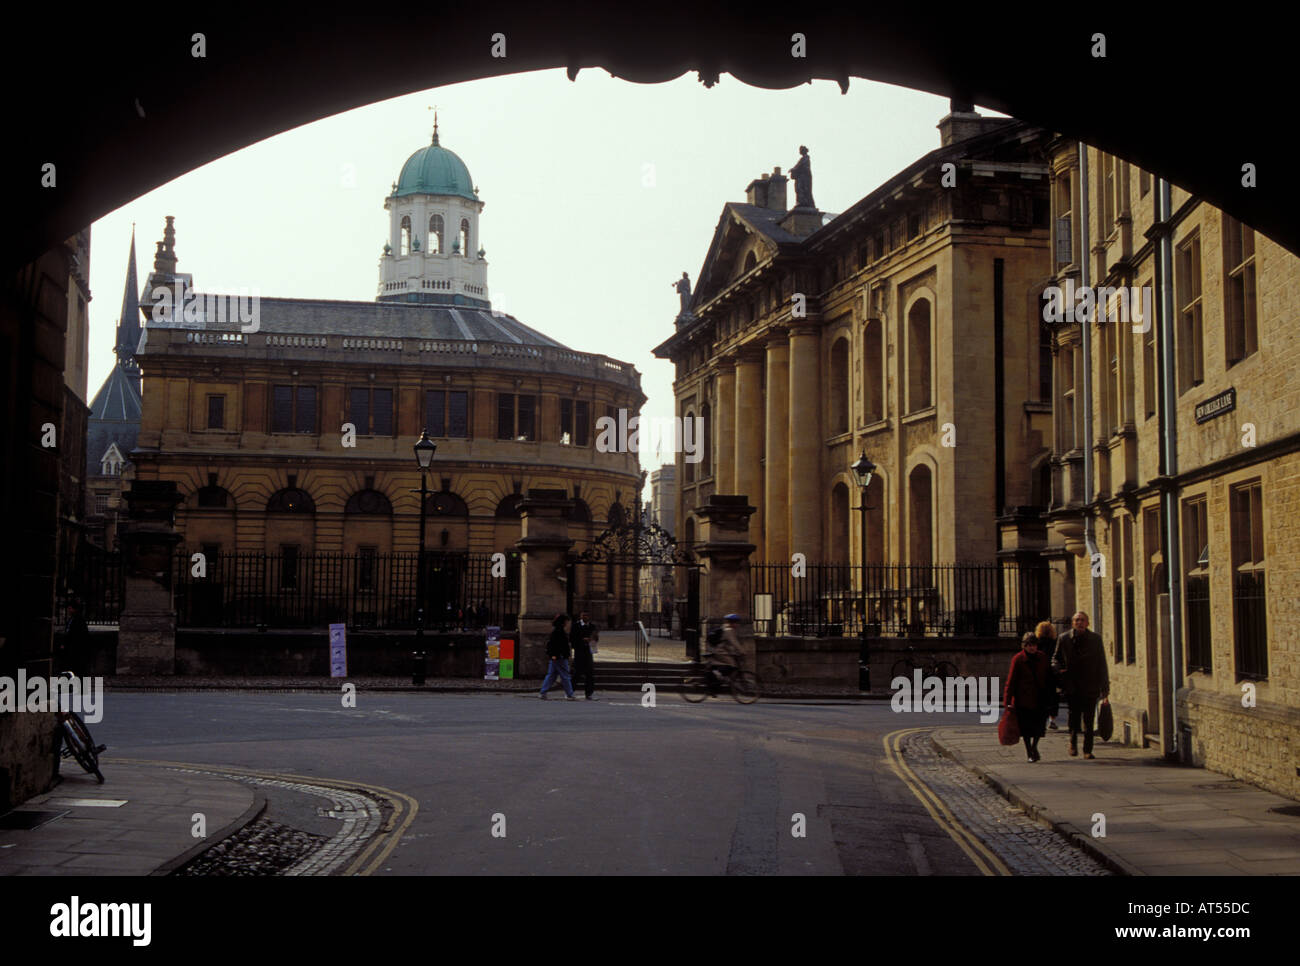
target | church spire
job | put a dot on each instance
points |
(435, 127)
(128, 323)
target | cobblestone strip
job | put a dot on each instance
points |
(1025, 846)
(361, 815)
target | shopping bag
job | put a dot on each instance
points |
(1009, 727)
(1105, 722)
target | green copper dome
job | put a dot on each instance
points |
(434, 170)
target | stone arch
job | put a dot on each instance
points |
(838, 389)
(920, 514)
(437, 233)
(404, 237)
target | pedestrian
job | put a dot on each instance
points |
(1046, 634)
(557, 649)
(1026, 692)
(584, 664)
(1080, 661)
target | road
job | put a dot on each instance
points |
(603, 788)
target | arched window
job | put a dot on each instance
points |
(404, 248)
(920, 521)
(918, 356)
(436, 230)
(581, 513)
(448, 504)
(873, 381)
(616, 517)
(839, 534)
(875, 520)
(509, 506)
(464, 236)
(291, 500)
(839, 386)
(368, 501)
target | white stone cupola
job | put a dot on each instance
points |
(433, 253)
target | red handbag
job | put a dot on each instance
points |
(1009, 727)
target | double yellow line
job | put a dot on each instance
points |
(383, 842)
(985, 860)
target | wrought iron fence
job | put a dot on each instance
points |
(362, 590)
(93, 578)
(898, 600)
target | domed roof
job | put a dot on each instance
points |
(433, 170)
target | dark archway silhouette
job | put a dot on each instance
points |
(147, 120)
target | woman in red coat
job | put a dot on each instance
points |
(1027, 692)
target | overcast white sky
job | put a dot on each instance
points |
(578, 246)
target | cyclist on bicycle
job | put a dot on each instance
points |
(726, 655)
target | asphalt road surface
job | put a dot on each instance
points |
(606, 787)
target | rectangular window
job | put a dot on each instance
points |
(381, 413)
(359, 410)
(304, 420)
(458, 414)
(1196, 565)
(525, 428)
(1130, 595)
(582, 423)
(101, 502)
(1191, 349)
(1248, 584)
(1063, 203)
(435, 414)
(505, 415)
(216, 412)
(1241, 336)
(1108, 189)
(566, 422)
(1148, 359)
(282, 409)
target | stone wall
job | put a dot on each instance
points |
(1259, 745)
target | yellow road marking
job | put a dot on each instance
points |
(402, 803)
(984, 858)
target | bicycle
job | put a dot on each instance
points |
(701, 683)
(77, 742)
(929, 667)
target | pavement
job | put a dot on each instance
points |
(139, 822)
(1160, 818)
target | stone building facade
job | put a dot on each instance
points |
(294, 434)
(906, 328)
(1193, 576)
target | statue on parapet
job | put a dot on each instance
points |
(801, 174)
(683, 286)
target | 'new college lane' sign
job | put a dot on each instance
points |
(1224, 402)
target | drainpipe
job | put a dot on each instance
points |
(1171, 676)
(1089, 537)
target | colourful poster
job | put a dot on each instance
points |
(338, 651)
(491, 659)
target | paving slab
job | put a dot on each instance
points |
(1161, 818)
(153, 828)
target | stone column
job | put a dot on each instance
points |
(725, 550)
(724, 435)
(146, 634)
(776, 469)
(805, 449)
(748, 480)
(544, 544)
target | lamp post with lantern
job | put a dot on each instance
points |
(863, 470)
(424, 450)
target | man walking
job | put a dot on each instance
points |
(584, 665)
(557, 650)
(1080, 661)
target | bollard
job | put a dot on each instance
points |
(417, 667)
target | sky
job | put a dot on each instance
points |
(598, 194)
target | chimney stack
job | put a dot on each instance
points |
(767, 191)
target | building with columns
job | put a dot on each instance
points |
(292, 433)
(1176, 465)
(906, 327)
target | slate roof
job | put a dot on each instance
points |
(381, 320)
(114, 418)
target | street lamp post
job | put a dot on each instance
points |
(424, 450)
(863, 470)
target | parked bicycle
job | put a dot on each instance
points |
(705, 682)
(928, 666)
(77, 742)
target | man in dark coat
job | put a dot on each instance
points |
(1080, 662)
(584, 665)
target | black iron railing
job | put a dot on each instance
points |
(1002, 599)
(362, 590)
(93, 578)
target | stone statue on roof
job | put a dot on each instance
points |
(683, 286)
(801, 173)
